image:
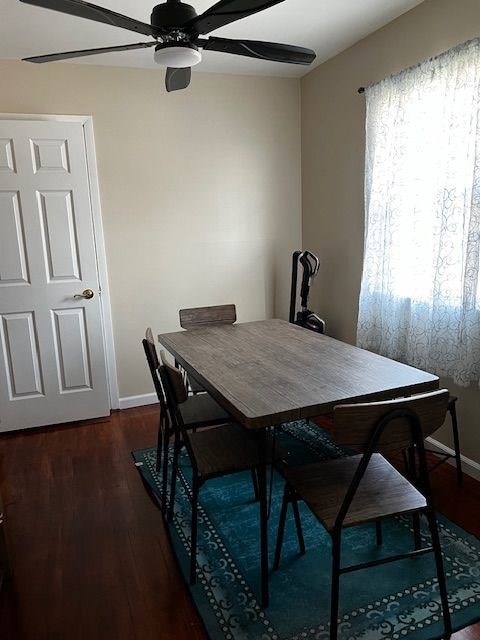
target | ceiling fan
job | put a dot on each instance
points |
(177, 30)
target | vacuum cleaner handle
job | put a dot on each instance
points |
(311, 257)
(293, 289)
(311, 265)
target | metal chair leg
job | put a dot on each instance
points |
(281, 529)
(411, 465)
(432, 522)
(405, 461)
(336, 542)
(298, 525)
(456, 441)
(378, 532)
(158, 463)
(416, 531)
(176, 453)
(193, 543)
(255, 484)
(165, 471)
(413, 477)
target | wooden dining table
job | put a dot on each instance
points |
(268, 372)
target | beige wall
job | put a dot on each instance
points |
(333, 142)
(200, 190)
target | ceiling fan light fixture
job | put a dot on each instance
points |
(177, 56)
(176, 30)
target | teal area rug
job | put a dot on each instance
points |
(392, 601)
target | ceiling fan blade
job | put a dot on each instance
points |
(93, 12)
(52, 57)
(227, 11)
(177, 79)
(261, 50)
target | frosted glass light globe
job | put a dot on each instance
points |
(177, 57)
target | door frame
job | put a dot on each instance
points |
(99, 239)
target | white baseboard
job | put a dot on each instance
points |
(470, 467)
(138, 401)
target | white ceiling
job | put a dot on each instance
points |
(327, 26)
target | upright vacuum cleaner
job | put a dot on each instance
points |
(304, 317)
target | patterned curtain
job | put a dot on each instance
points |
(420, 296)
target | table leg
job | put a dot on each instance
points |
(262, 489)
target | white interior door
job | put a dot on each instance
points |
(52, 352)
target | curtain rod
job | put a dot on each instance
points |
(458, 47)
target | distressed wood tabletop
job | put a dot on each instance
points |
(267, 372)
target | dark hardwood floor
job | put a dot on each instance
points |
(90, 554)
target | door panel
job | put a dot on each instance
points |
(71, 347)
(59, 235)
(52, 365)
(7, 162)
(13, 261)
(21, 355)
(50, 155)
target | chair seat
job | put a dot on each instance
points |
(382, 492)
(227, 449)
(202, 410)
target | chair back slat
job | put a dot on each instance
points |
(153, 363)
(353, 424)
(175, 379)
(205, 316)
(149, 335)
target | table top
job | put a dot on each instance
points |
(267, 372)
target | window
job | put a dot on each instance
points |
(420, 297)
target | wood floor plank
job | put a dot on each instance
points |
(90, 553)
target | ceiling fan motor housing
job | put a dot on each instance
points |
(172, 13)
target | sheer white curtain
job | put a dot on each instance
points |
(420, 296)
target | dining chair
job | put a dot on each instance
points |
(198, 317)
(366, 488)
(197, 411)
(212, 453)
(207, 316)
(153, 364)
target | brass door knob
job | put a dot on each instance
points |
(88, 293)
